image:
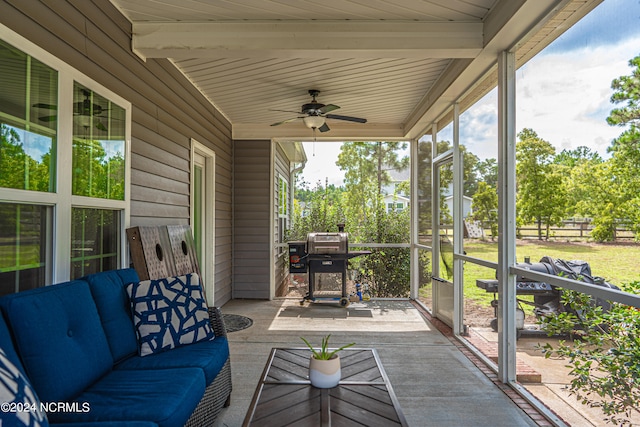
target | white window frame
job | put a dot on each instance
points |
(62, 200)
(283, 196)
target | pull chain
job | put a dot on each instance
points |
(314, 142)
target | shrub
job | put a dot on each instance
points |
(605, 356)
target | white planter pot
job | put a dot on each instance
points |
(324, 373)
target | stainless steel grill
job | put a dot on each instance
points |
(546, 297)
(327, 243)
(323, 253)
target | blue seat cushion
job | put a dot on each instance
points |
(209, 356)
(59, 337)
(166, 397)
(110, 294)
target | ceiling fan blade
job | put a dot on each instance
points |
(324, 127)
(287, 111)
(100, 125)
(46, 106)
(286, 121)
(48, 118)
(328, 108)
(346, 118)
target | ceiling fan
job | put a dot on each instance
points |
(82, 108)
(314, 114)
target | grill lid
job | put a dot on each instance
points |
(327, 243)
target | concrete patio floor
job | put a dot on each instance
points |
(436, 384)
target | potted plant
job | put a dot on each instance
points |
(324, 364)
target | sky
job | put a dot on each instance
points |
(563, 93)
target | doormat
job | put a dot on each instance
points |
(235, 322)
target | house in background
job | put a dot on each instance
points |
(396, 202)
(396, 192)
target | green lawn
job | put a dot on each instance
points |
(617, 263)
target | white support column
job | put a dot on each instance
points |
(415, 218)
(458, 282)
(63, 207)
(506, 217)
(435, 223)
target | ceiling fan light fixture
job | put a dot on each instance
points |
(313, 122)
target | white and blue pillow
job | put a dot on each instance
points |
(21, 406)
(169, 313)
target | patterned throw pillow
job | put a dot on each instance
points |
(20, 405)
(169, 313)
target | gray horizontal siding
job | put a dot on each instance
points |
(167, 111)
(251, 226)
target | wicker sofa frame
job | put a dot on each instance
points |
(218, 394)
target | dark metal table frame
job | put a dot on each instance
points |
(284, 395)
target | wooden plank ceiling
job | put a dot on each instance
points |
(398, 63)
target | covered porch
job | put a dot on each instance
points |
(200, 89)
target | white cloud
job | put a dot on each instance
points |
(564, 97)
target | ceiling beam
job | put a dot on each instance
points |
(297, 131)
(308, 39)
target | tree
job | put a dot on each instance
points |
(369, 162)
(323, 212)
(627, 90)
(485, 207)
(18, 169)
(623, 179)
(470, 172)
(366, 166)
(487, 171)
(541, 194)
(576, 157)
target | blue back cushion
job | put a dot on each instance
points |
(59, 337)
(114, 307)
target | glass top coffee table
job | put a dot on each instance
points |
(284, 395)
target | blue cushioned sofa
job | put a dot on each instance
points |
(76, 346)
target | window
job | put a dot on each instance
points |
(398, 207)
(28, 125)
(283, 197)
(95, 239)
(98, 146)
(24, 246)
(63, 170)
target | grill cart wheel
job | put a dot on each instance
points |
(344, 302)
